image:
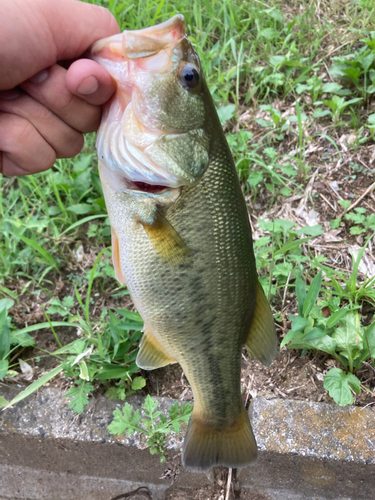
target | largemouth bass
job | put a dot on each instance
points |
(181, 238)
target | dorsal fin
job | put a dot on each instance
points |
(261, 341)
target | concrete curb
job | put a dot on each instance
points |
(306, 450)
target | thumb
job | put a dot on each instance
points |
(77, 25)
(36, 34)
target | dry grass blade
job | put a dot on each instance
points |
(229, 482)
(353, 205)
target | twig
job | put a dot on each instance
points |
(368, 404)
(368, 190)
(328, 203)
(229, 482)
(331, 189)
(295, 388)
(334, 50)
(364, 164)
(143, 490)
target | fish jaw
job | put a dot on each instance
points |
(137, 139)
(142, 43)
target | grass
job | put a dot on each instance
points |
(294, 89)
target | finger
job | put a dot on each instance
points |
(65, 30)
(49, 88)
(24, 149)
(90, 81)
(66, 141)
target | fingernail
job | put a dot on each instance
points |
(8, 95)
(39, 77)
(88, 86)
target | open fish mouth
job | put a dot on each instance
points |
(149, 188)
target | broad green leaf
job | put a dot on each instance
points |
(264, 123)
(335, 223)
(312, 294)
(138, 383)
(82, 162)
(347, 336)
(344, 203)
(4, 335)
(367, 60)
(336, 317)
(325, 343)
(21, 338)
(315, 333)
(338, 384)
(4, 364)
(134, 316)
(369, 335)
(320, 113)
(352, 101)
(6, 304)
(310, 230)
(112, 372)
(80, 208)
(298, 323)
(35, 386)
(354, 383)
(301, 293)
(255, 178)
(3, 402)
(226, 112)
(75, 347)
(331, 87)
(54, 210)
(83, 372)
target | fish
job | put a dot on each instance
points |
(181, 236)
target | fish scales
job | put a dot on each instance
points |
(185, 248)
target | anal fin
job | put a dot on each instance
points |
(151, 355)
(261, 342)
(116, 257)
(166, 241)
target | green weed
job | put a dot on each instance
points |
(338, 333)
(151, 423)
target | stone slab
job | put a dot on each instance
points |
(315, 429)
(306, 450)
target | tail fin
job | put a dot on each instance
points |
(205, 446)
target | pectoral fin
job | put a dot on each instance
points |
(116, 257)
(166, 241)
(151, 355)
(261, 342)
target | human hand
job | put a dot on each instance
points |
(44, 108)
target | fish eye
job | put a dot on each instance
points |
(189, 76)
